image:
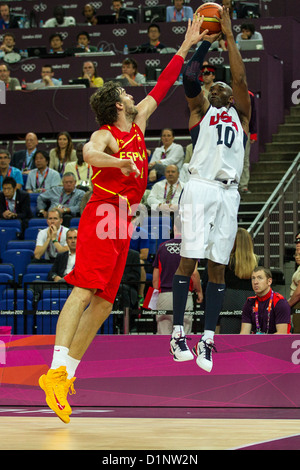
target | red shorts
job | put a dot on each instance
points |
(101, 251)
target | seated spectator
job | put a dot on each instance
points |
(59, 18)
(169, 153)
(294, 299)
(116, 7)
(56, 43)
(83, 43)
(63, 153)
(267, 312)
(179, 12)
(7, 20)
(11, 83)
(52, 240)
(154, 44)
(242, 262)
(89, 13)
(42, 177)
(128, 290)
(89, 72)
(208, 75)
(130, 73)
(7, 170)
(230, 5)
(81, 170)
(24, 159)
(248, 32)
(165, 265)
(14, 203)
(64, 262)
(9, 43)
(164, 195)
(140, 243)
(47, 77)
(66, 197)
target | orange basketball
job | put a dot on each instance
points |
(209, 11)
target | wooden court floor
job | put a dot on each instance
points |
(92, 433)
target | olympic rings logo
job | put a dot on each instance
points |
(64, 35)
(216, 60)
(173, 249)
(41, 7)
(119, 31)
(96, 5)
(179, 29)
(152, 62)
(28, 67)
(237, 28)
(151, 3)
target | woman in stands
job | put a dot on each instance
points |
(63, 153)
(242, 262)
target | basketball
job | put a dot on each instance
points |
(209, 11)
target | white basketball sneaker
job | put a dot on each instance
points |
(203, 352)
(179, 349)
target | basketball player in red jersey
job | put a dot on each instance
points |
(117, 153)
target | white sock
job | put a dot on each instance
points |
(59, 357)
(208, 334)
(178, 330)
(72, 365)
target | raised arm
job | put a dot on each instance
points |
(238, 72)
(169, 75)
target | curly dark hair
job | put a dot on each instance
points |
(103, 103)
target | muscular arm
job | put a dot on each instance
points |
(169, 75)
(95, 152)
(238, 73)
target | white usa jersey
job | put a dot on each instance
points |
(219, 144)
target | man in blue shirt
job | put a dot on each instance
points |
(7, 170)
(179, 12)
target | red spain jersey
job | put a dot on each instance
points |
(109, 183)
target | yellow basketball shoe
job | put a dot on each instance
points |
(56, 387)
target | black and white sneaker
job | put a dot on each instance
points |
(203, 351)
(180, 350)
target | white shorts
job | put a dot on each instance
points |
(208, 212)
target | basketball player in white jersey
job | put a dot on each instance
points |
(210, 199)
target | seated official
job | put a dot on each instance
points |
(169, 153)
(52, 240)
(24, 159)
(179, 12)
(42, 177)
(14, 203)
(164, 195)
(81, 170)
(66, 197)
(65, 261)
(267, 312)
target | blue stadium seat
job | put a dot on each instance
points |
(19, 258)
(20, 293)
(7, 234)
(32, 277)
(4, 280)
(56, 293)
(7, 268)
(21, 245)
(51, 304)
(37, 222)
(74, 222)
(32, 232)
(38, 268)
(10, 223)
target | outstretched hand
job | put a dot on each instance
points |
(193, 34)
